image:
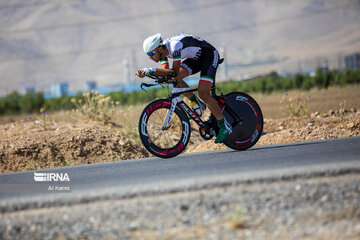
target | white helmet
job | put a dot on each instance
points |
(152, 42)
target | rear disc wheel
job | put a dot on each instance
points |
(246, 133)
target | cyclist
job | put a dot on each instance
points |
(199, 56)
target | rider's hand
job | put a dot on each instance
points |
(140, 74)
(148, 71)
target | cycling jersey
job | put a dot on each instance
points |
(199, 55)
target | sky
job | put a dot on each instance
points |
(43, 42)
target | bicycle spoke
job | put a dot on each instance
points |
(164, 138)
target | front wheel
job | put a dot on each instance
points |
(164, 143)
(247, 132)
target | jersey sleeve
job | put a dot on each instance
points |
(177, 56)
(164, 61)
(176, 53)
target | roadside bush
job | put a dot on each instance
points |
(96, 107)
(295, 106)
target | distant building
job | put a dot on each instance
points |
(30, 90)
(324, 68)
(352, 61)
(90, 85)
(59, 89)
(284, 73)
(309, 71)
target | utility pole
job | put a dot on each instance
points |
(340, 62)
(126, 72)
(223, 66)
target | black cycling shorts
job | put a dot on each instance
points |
(207, 63)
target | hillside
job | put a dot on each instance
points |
(76, 41)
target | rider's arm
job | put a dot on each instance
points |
(176, 63)
(164, 63)
(165, 70)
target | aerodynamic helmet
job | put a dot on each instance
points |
(152, 42)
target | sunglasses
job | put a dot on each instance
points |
(152, 53)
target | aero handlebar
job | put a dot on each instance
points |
(159, 80)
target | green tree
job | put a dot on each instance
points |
(11, 103)
(299, 78)
(319, 78)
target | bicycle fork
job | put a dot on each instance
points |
(174, 101)
(170, 112)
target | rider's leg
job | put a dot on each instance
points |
(204, 94)
(183, 73)
(225, 127)
(198, 106)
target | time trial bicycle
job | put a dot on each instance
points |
(164, 126)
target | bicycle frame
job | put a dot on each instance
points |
(177, 100)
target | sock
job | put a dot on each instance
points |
(224, 124)
(221, 123)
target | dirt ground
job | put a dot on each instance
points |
(31, 145)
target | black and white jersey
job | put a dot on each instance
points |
(198, 55)
(185, 46)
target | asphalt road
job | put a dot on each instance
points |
(187, 171)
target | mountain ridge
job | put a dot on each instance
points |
(80, 40)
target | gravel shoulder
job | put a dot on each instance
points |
(312, 208)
